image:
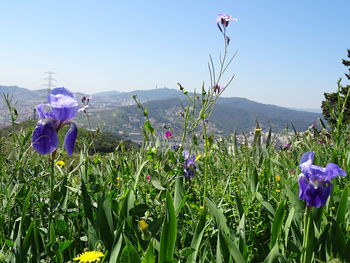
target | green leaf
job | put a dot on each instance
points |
(178, 194)
(169, 232)
(149, 256)
(343, 207)
(129, 254)
(116, 249)
(254, 180)
(218, 215)
(138, 173)
(218, 250)
(87, 204)
(234, 251)
(155, 182)
(224, 231)
(197, 238)
(104, 222)
(277, 224)
(272, 256)
(287, 225)
(27, 242)
(269, 208)
(149, 127)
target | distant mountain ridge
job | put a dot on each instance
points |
(116, 112)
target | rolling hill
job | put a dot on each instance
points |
(116, 112)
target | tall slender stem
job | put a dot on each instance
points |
(307, 238)
(91, 135)
(205, 160)
(52, 183)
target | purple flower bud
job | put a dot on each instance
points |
(218, 88)
(175, 147)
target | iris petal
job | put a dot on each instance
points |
(303, 184)
(40, 110)
(70, 138)
(306, 162)
(333, 170)
(317, 197)
(307, 156)
(45, 138)
(63, 104)
(64, 113)
(62, 91)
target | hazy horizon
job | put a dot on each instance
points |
(289, 53)
(314, 110)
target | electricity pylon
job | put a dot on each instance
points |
(50, 81)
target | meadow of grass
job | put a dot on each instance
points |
(134, 205)
(218, 202)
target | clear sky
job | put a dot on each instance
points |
(289, 52)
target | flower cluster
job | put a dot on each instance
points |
(190, 167)
(315, 182)
(62, 109)
(85, 100)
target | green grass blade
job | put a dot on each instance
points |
(288, 225)
(116, 249)
(218, 250)
(343, 207)
(272, 256)
(149, 256)
(197, 238)
(277, 224)
(169, 232)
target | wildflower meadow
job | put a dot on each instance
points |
(202, 198)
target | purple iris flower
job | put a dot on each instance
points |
(315, 182)
(189, 168)
(60, 111)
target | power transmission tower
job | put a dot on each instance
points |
(50, 81)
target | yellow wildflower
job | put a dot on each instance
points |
(143, 224)
(198, 157)
(119, 178)
(60, 163)
(201, 207)
(258, 130)
(89, 256)
(333, 207)
(278, 178)
(278, 190)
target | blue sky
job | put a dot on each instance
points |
(289, 52)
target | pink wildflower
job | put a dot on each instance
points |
(168, 135)
(224, 20)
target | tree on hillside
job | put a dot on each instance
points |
(333, 103)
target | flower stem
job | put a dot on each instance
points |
(205, 160)
(307, 238)
(52, 166)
